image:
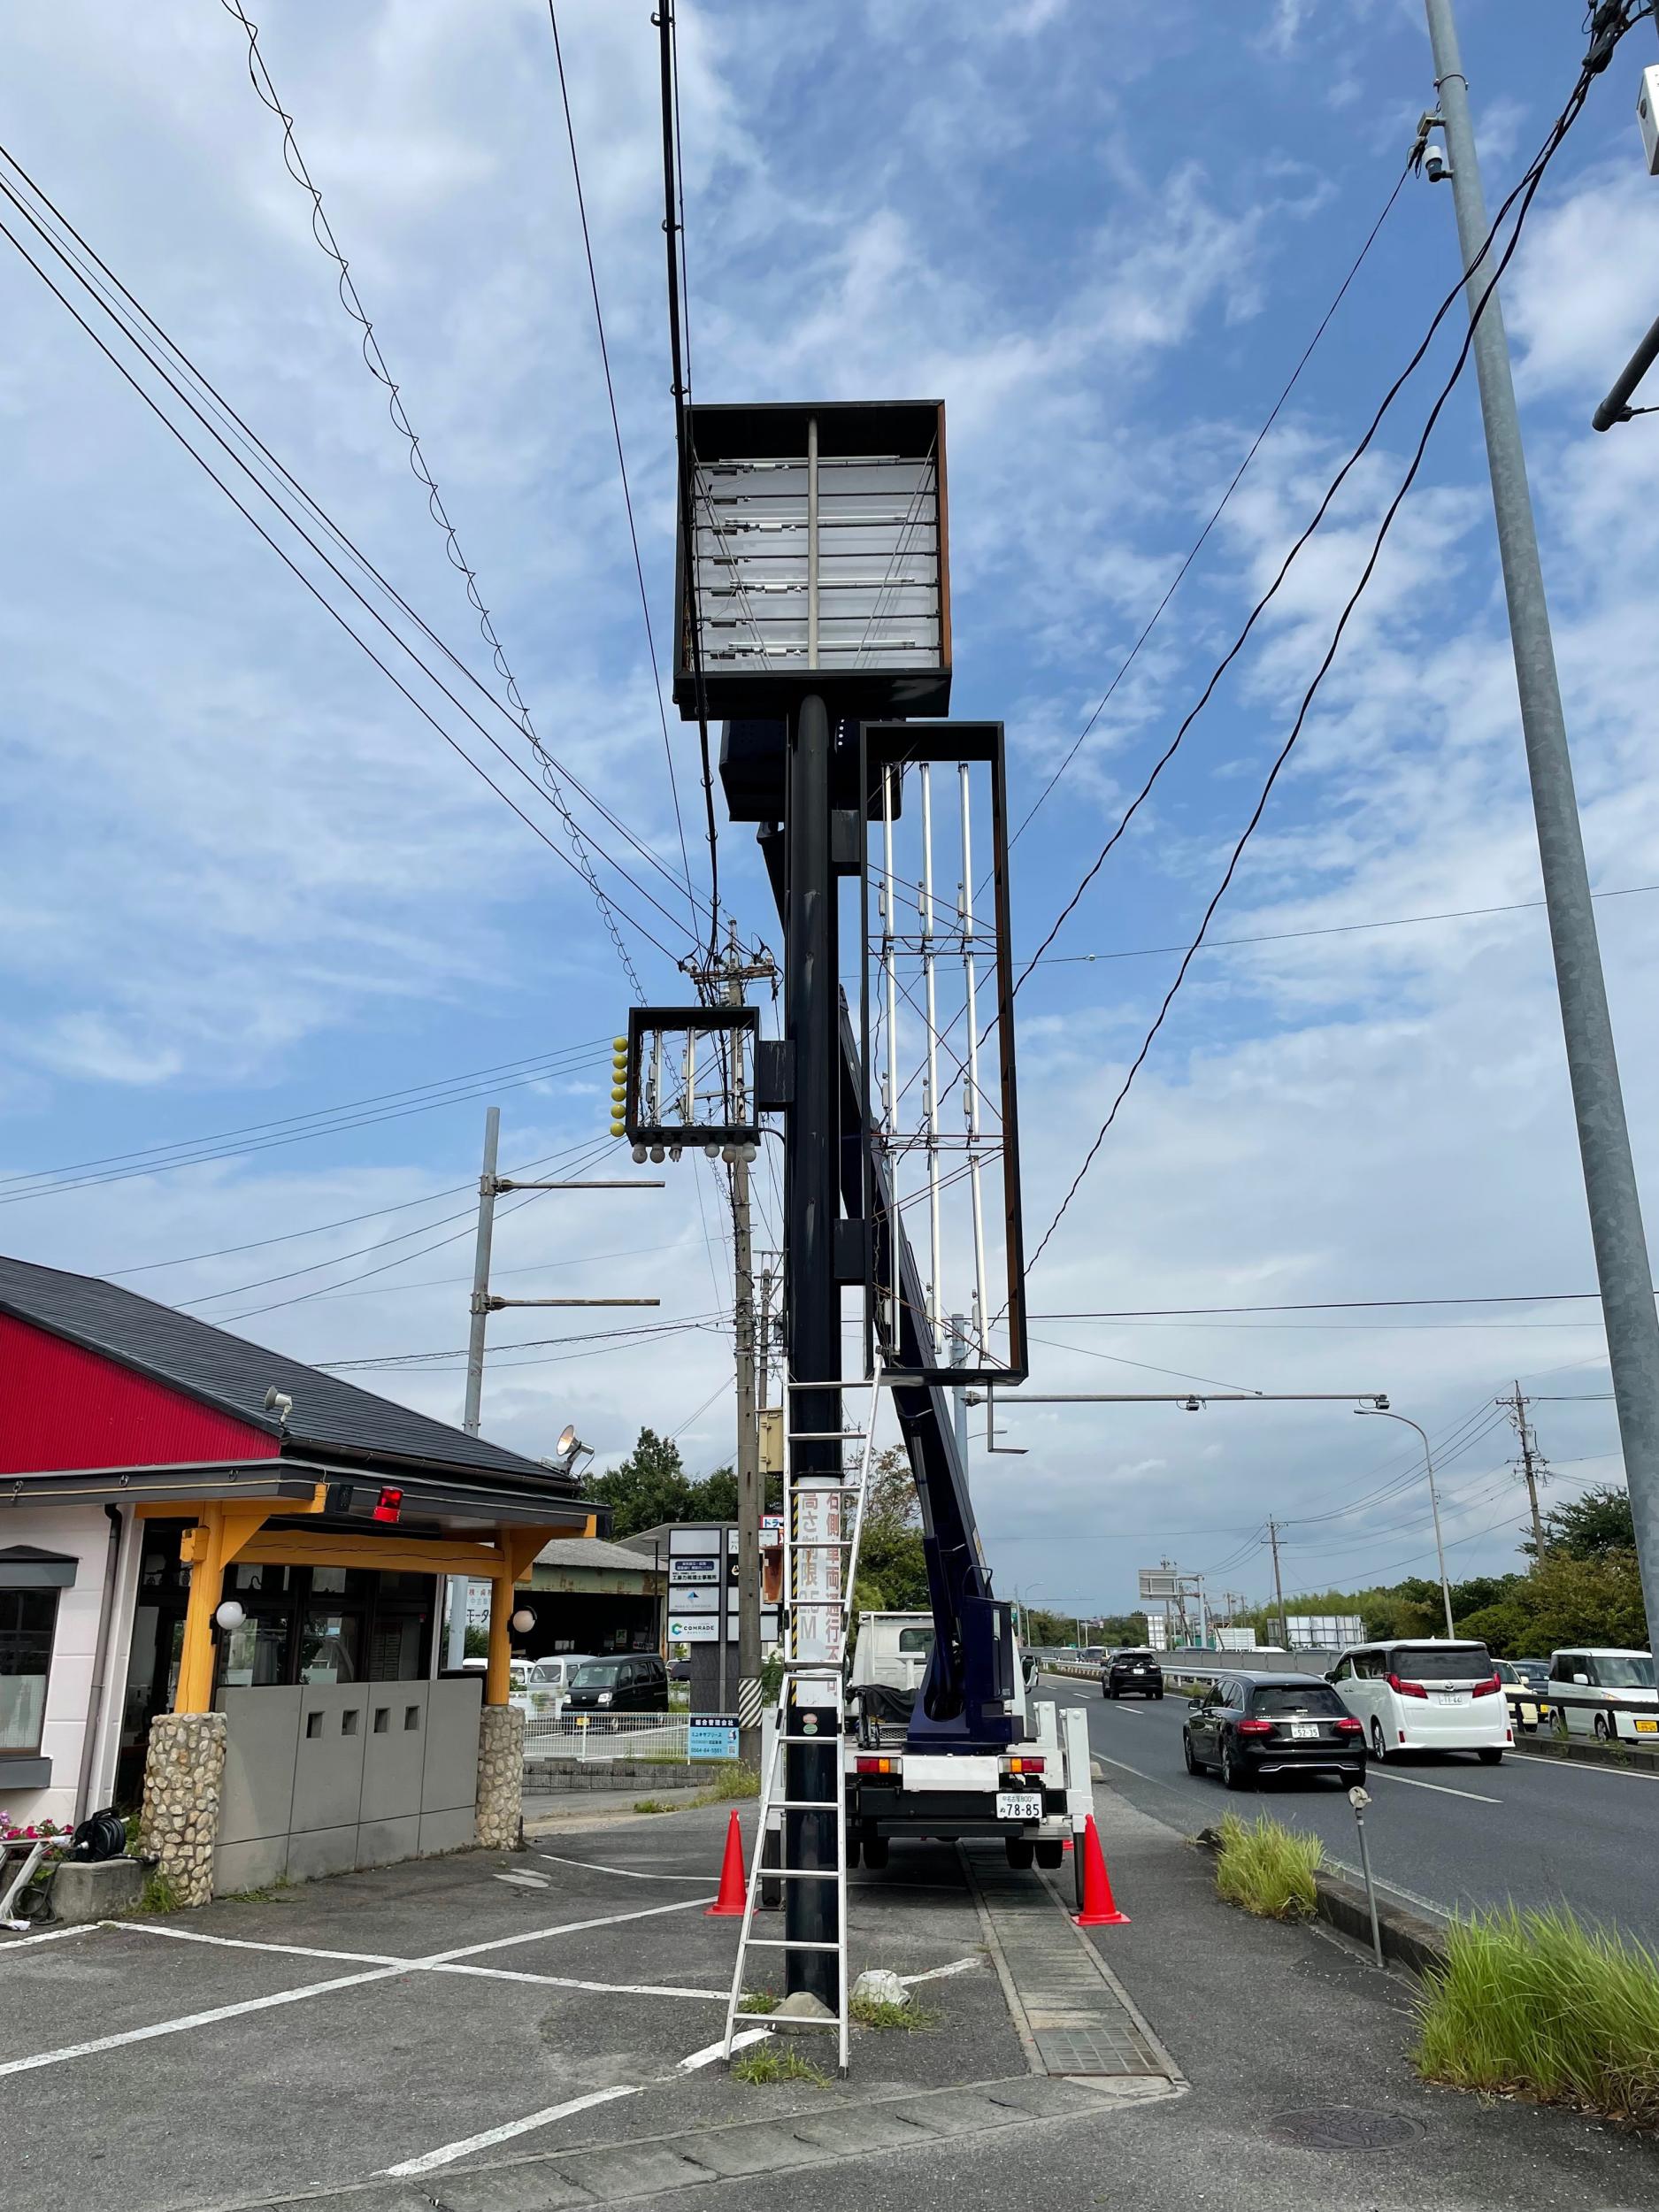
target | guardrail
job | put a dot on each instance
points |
(661, 1737)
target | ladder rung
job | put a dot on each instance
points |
(805, 1804)
(790, 2024)
(826, 1436)
(801, 1873)
(818, 1742)
(788, 1943)
(813, 1666)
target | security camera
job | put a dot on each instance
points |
(1437, 164)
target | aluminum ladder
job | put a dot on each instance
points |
(830, 1672)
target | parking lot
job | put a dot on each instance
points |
(521, 2032)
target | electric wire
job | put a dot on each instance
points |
(374, 360)
(1526, 194)
(1218, 511)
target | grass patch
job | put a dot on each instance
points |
(261, 1896)
(651, 1805)
(732, 1779)
(773, 2061)
(1537, 2004)
(1265, 1869)
(757, 2000)
(160, 1894)
(881, 2012)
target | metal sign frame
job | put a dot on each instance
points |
(738, 1021)
(885, 744)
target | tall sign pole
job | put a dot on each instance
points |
(1622, 1270)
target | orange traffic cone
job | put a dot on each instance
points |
(729, 1904)
(1100, 1907)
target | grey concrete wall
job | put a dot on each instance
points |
(323, 1777)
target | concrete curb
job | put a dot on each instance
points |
(609, 1774)
(1634, 1758)
(1407, 1937)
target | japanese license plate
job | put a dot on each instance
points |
(1647, 1727)
(1304, 1731)
(1019, 1804)
(1448, 1697)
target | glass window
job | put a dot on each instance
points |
(1441, 1662)
(1614, 1671)
(1302, 1702)
(329, 1645)
(916, 1642)
(28, 1618)
(598, 1674)
(256, 1654)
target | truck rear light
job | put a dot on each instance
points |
(1350, 1727)
(1025, 1766)
(876, 1766)
(1407, 1689)
(1256, 1727)
(1486, 1689)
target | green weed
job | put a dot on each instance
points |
(773, 2062)
(881, 2012)
(1535, 2002)
(651, 1805)
(1266, 1869)
(757, 2000)
(160, 1894)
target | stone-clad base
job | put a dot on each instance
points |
(500, 1777)
(184, 1775)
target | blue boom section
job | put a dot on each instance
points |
(966, 1698)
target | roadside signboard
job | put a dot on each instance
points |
(682, 1568)
(694, 1628)
(711, 1736)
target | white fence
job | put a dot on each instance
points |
(597, 1736)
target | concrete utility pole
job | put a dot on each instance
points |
(1622, 1270)
(1531, 1459)
(1279, 1587)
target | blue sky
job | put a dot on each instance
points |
(244, 881)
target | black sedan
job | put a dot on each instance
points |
(1252, 1725)
(1140, 1671)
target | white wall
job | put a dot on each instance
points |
(83, 1533)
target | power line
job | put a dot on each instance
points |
(615, 427)
(140, 342)
(1218, 511)
(374, 360)
(1526, 192)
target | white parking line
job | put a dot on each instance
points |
(450, 2151)
(50, 1935)
(1444, 1789)
(434, 1960)
(938, 1973)
(711, 2051)
(634, 1873)
(525, 1880)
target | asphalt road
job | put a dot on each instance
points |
(1445, 1833)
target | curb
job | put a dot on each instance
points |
(1407, 1937)
(1633, 1758)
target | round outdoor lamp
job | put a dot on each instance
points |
(523, 1621)
(230, 1615)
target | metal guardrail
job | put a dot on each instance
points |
(595, 1736)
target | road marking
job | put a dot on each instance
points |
(1443, 1789)
(246, 1943)
(450, 2151)
(526, 1881)
(51, 1935)
(1533, 1759)
(1153, 1778)
(434, 1960)
(711, 2051)
(938, 1973)
(634, 1873)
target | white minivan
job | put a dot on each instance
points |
(1425, 1695)
(1597, 1692)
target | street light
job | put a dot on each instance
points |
(1383, 1412)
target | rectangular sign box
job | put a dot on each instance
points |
(682, 1568)
(711, 1736)
(703, 1599)
(694, 1628)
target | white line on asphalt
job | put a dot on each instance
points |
(436, 1959)
(51, 1935)
(1443, 1789)
(450, 2151)
(711, 2051)
(526, 1881)
(634, 1873)
(1533, 1759)
(1127, 1768)
(246, 1943)
(566, 1981)
(938, 1973)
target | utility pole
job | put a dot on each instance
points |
(1532, 1461)
(490, 1187)
(1623, 1271)
(1279, 1587)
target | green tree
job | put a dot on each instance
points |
(715, 1497)
(1589, 1526)
(892, 1565)
(648, 1486)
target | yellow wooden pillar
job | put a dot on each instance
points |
(207, 1549)
(517, 1547)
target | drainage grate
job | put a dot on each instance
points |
(1343, 2127)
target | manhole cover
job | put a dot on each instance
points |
(1343, 2127)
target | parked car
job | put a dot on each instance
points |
(1250, 1724)
(635, 1684)
(1526, 1708)
(1137, 1670)
(1604, 1693)
(679, 1670)
(1431, 1694)
(540, 1686)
